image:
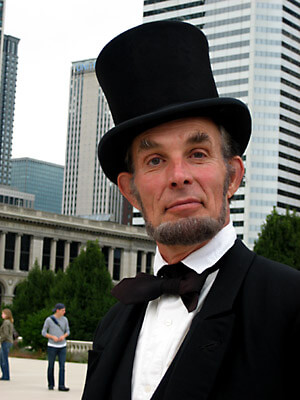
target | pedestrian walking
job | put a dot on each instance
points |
(56, 329)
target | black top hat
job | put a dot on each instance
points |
(155, 73)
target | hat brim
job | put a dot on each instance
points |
(231, 113)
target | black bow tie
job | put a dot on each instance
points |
(176, 279)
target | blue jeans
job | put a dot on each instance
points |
(61, 352)
(5, 347)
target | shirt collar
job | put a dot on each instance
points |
(207, 255)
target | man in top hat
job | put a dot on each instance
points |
(215, 321)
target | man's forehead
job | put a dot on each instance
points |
(194, 130)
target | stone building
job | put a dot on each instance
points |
(53, 240)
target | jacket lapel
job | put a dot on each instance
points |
(196, 365)
(121, 387)
(114, 349)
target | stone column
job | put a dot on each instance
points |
(152, 262)
(82, 246)
(17, 254)
(123, 264)
(78, 249)
(67, 254)
(36, 251)
(2, 249)
(111, 252)
(143, 268)
(128, 263)
(53, 254)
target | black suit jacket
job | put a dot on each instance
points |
(244, 344)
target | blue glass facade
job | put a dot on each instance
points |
(43, 179)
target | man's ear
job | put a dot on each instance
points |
(125, 186)
(236, 174)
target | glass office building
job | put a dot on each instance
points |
(2, 9)
(87, 192)
(43, 179)
(254, 49)
(7, 104)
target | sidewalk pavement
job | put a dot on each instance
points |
(28, 381)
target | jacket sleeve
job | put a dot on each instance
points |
(6, 331)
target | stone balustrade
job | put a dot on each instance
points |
(78, 346)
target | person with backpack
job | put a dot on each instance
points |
(56, 329)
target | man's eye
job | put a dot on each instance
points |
(155, 161)
(198, 154)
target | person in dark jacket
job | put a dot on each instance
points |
(215, 321)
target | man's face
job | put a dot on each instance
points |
(61, 312)
(180, 175)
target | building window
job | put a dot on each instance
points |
(46, 253)
(139, 261)
(105, 251)
(148, 263)
(73, 250)
(9, 250)
(117, 264)
(60, 255)
(25, 250)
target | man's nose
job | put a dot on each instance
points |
(179, 175)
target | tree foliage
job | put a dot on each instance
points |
(32, 294)
(279, 239)
(84, 288)
(31, 329)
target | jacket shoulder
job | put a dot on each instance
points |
(108, 324)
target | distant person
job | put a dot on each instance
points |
(56, 329)
(6, 339)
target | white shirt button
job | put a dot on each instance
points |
(147, 388)
(168, 322)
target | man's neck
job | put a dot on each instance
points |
(57, 316)
(174, 254)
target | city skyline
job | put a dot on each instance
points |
(51, 38)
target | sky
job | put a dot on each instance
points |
(52, 35)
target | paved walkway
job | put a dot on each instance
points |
(28, 381)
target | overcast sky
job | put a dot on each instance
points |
(52, 35)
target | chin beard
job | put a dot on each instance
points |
(186, 231)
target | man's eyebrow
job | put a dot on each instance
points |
(194, 138)
(147, 144)
(198, 137)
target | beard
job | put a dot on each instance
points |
(186, 231)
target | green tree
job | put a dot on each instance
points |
(279, 239)
(31, 329)
(85, 290)
(32, 294)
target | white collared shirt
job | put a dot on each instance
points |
(167, 320)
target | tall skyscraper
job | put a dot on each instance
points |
(7, 104)
(86, 191)
(40, 178)
(2, 10)
(254, 49)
